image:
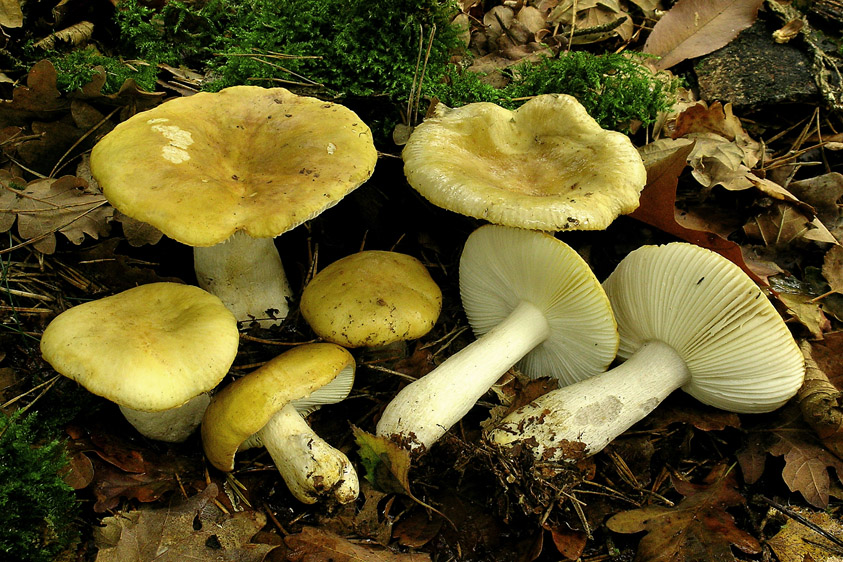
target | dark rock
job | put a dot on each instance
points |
(754, 71)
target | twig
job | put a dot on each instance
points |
(797, 517)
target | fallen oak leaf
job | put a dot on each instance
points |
(66, 205)
(193, 530)
(807, 462)
(316, 545)
(665, 159)
(698, 528)
(692, 28)
(796, 542)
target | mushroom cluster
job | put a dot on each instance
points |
(688, 318)
(226, 172)
(531, 300)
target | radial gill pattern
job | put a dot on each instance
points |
(741, 355)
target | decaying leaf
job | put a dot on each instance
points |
(665, 159)
(807, 462)
(121, 470)
(66, 205)
(77, 34)
(807, 312)
(796, 542)
(699, 528)
(783, 224)
(593, 15)
(316, 545)
(833, 268)
(11, 14)
(821, 404)
(387, 465)
(193, 530)
(692, 28)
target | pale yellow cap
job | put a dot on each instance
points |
(243, 407)
(149, 348)
(372, 298)
(246, 158)
(547, 165)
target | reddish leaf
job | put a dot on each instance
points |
(657, 207)
(699, 528)
(568, 542)
(317, 545)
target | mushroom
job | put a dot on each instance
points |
(545, 166)
(371, 299)
(226, 172)
(688, 318)
(156, 350)
(530, 299)
(265, 408)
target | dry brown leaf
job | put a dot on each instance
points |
(822, 193)
(807, 462)
(783, 224)
(692, 28)
(11, 14)
(66, 205)
(193, 530)
(806, 312)
(718, 119)
(699, 528)
(591, 14)
(833, 268)
(665, 159)
(796, 542)
(75, 35)
(313, 544)
(821, 404)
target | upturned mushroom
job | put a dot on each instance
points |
(227, 172)
(266, 408)
(547, 165)
(688, 318)
(531, 300)
(372, 299)
(156, 350)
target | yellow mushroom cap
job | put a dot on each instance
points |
(149, 348)
(251, 159)
(372, 298)
(243, 407)
(544, 166)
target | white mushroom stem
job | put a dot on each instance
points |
(311, 467)
(424, 410)
(173, 425)
(247, 275)
(598, 409)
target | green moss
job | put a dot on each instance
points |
(37, 507)
(76, 68)
(351, 48)
(615, 89)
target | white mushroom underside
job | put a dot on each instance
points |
(247, 275)
(310, 467)
(424, 410)
(173, 425)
